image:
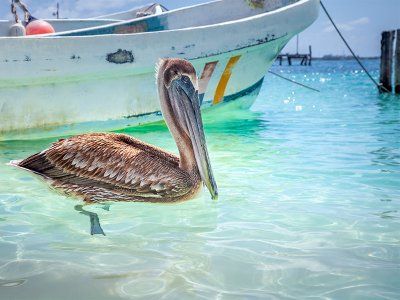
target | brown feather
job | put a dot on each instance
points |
(107, 166)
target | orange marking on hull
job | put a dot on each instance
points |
(206, 76)
(223, 82)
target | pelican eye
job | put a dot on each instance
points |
(185, 79)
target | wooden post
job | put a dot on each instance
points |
(397, 64)
(386, 61)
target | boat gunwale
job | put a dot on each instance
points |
(209, 26)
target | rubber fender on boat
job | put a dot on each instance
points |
(39, 27)
(17, 29)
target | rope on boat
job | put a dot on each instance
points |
(351, 50)
(295, 82)
(14, 11)
(23, 7)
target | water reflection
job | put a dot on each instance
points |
(386, 156)
(221, 121)
(387, 214)
(387, 133)
(11, 283)
(388, 102)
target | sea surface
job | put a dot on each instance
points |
(308, 208)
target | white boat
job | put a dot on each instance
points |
(99, 73)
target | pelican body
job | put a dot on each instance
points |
(109, 166)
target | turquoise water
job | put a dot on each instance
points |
(309, 207)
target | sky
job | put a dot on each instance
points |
(361, 21)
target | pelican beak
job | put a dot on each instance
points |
(187, 107)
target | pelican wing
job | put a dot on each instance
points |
(113, 161)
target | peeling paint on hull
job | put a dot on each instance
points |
(120, 57)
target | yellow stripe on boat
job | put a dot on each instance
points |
(220, 91)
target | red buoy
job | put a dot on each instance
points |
(39, 27)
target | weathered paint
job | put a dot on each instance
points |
(205, 78)
(256, 3)
(120, 57)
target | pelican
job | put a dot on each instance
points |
(118, 167)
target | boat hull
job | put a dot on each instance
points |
(60, 85)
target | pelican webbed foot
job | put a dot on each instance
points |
(95, 227)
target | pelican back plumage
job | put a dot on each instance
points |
(108, 166)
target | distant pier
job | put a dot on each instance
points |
(305, 58)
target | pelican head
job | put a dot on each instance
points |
(180, 105)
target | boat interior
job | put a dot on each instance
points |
(156, 17)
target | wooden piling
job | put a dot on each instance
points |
(397, 64)
(386, 61)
